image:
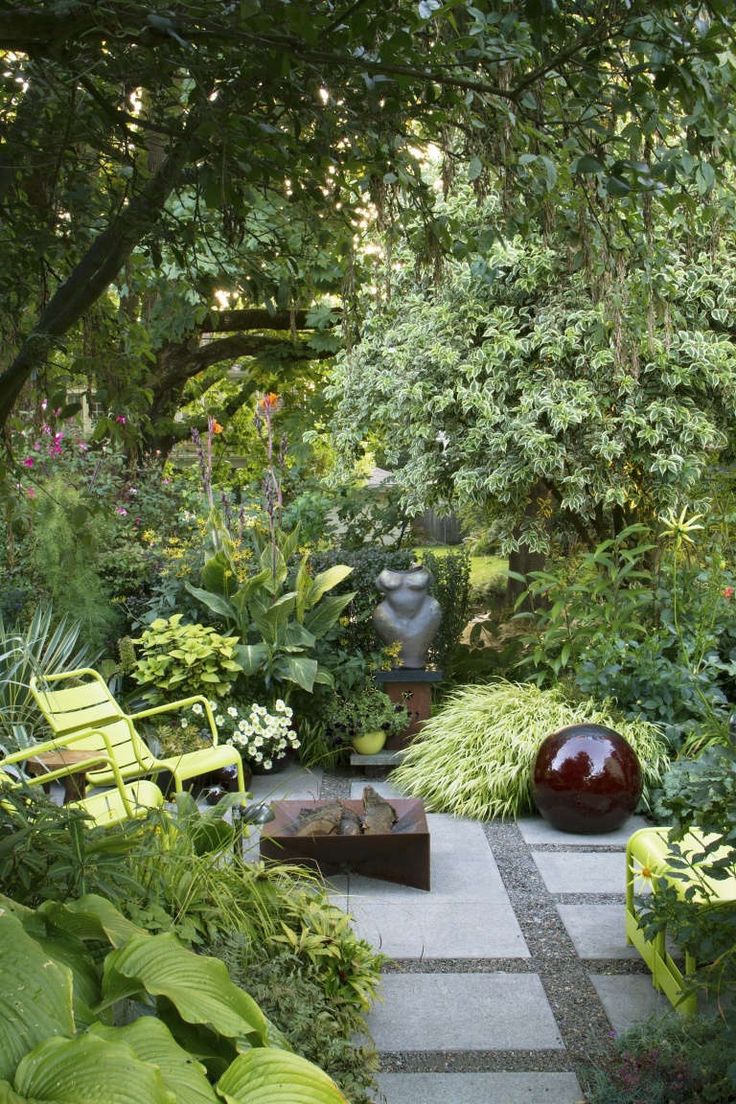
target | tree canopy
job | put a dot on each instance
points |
(135, 131)
(553, 399)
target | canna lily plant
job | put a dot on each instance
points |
(278, 628)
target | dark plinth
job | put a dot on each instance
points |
(400, 856)
(412, 687)
(587, 778)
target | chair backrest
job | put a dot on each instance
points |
(90, 706)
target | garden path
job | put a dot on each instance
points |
(511, 974)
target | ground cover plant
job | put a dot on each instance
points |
(669, 1060)
(474, 757)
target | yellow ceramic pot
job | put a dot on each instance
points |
(370, 743)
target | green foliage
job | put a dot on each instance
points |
(278, 628)
(356, 627)
(562, 399)
(364, 711)
(641, 622)
(451, 587)
(669, 1060)
(64, 556)
(41, 648)
(475, 756)
(319, 1026)
(700, 793)
(55, 1043)
(50, 852)
(191, 658)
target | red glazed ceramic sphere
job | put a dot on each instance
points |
(587, 778)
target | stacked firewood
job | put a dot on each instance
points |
(335, 818)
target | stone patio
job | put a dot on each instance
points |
(510, 975)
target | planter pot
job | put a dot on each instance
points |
(369, 743)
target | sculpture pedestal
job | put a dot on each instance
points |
(412, 687)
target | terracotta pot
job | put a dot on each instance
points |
(369, 743)
(587, 778)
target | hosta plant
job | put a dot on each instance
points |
(74, 975)
(474, 757)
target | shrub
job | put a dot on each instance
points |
(451, 588)
(670, 1060)
(319, 1027)
(356, 629)
(474, 757)
(190, 658)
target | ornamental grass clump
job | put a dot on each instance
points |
(474, 758)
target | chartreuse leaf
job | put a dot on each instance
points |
(199, 987)
(269, 1076)
(88, 1070)
(327, 580)
(90, 917)
(152, 1042)
(7, 1096)
(36, 995)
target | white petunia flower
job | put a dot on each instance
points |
(184, 723)
(232, 711)
(198, 709)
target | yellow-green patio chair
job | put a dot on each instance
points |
(648, 858)
(90, 710)
(105, 808)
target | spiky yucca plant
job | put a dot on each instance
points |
(474, 758)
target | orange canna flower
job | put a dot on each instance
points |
(216, 427)
(269, 403)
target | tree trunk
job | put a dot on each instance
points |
(93, 274)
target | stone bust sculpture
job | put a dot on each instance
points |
(408, 613)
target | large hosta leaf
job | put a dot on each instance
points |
(91, 917)
(200, 988)
(35, 995)
(88, 1070)
(152, 1042)
(269, 1076)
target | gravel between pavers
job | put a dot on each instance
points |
(578, 1011)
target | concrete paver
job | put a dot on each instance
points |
(438, 929)
(479, 1088)
(597, 931)
(628, 999)
(582, 871)
(290, 784)
(463, 1012)
(537, 830)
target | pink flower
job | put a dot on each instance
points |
(121, 511)
(120, 419)
(137, 521)
(165, 480)
(31, 492)
(728, 592)
(28, 462)
(57, 412)
(36, 446)
(46, 428)
(83, 446)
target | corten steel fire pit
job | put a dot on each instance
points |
(401, 855)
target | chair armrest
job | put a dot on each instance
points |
(94, 759)
(172, 707)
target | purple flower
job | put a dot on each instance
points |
(28, 462)
(120, 419)
(121, 511)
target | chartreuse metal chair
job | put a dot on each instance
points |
(121, 802)
(648, 859)
(89, 709)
